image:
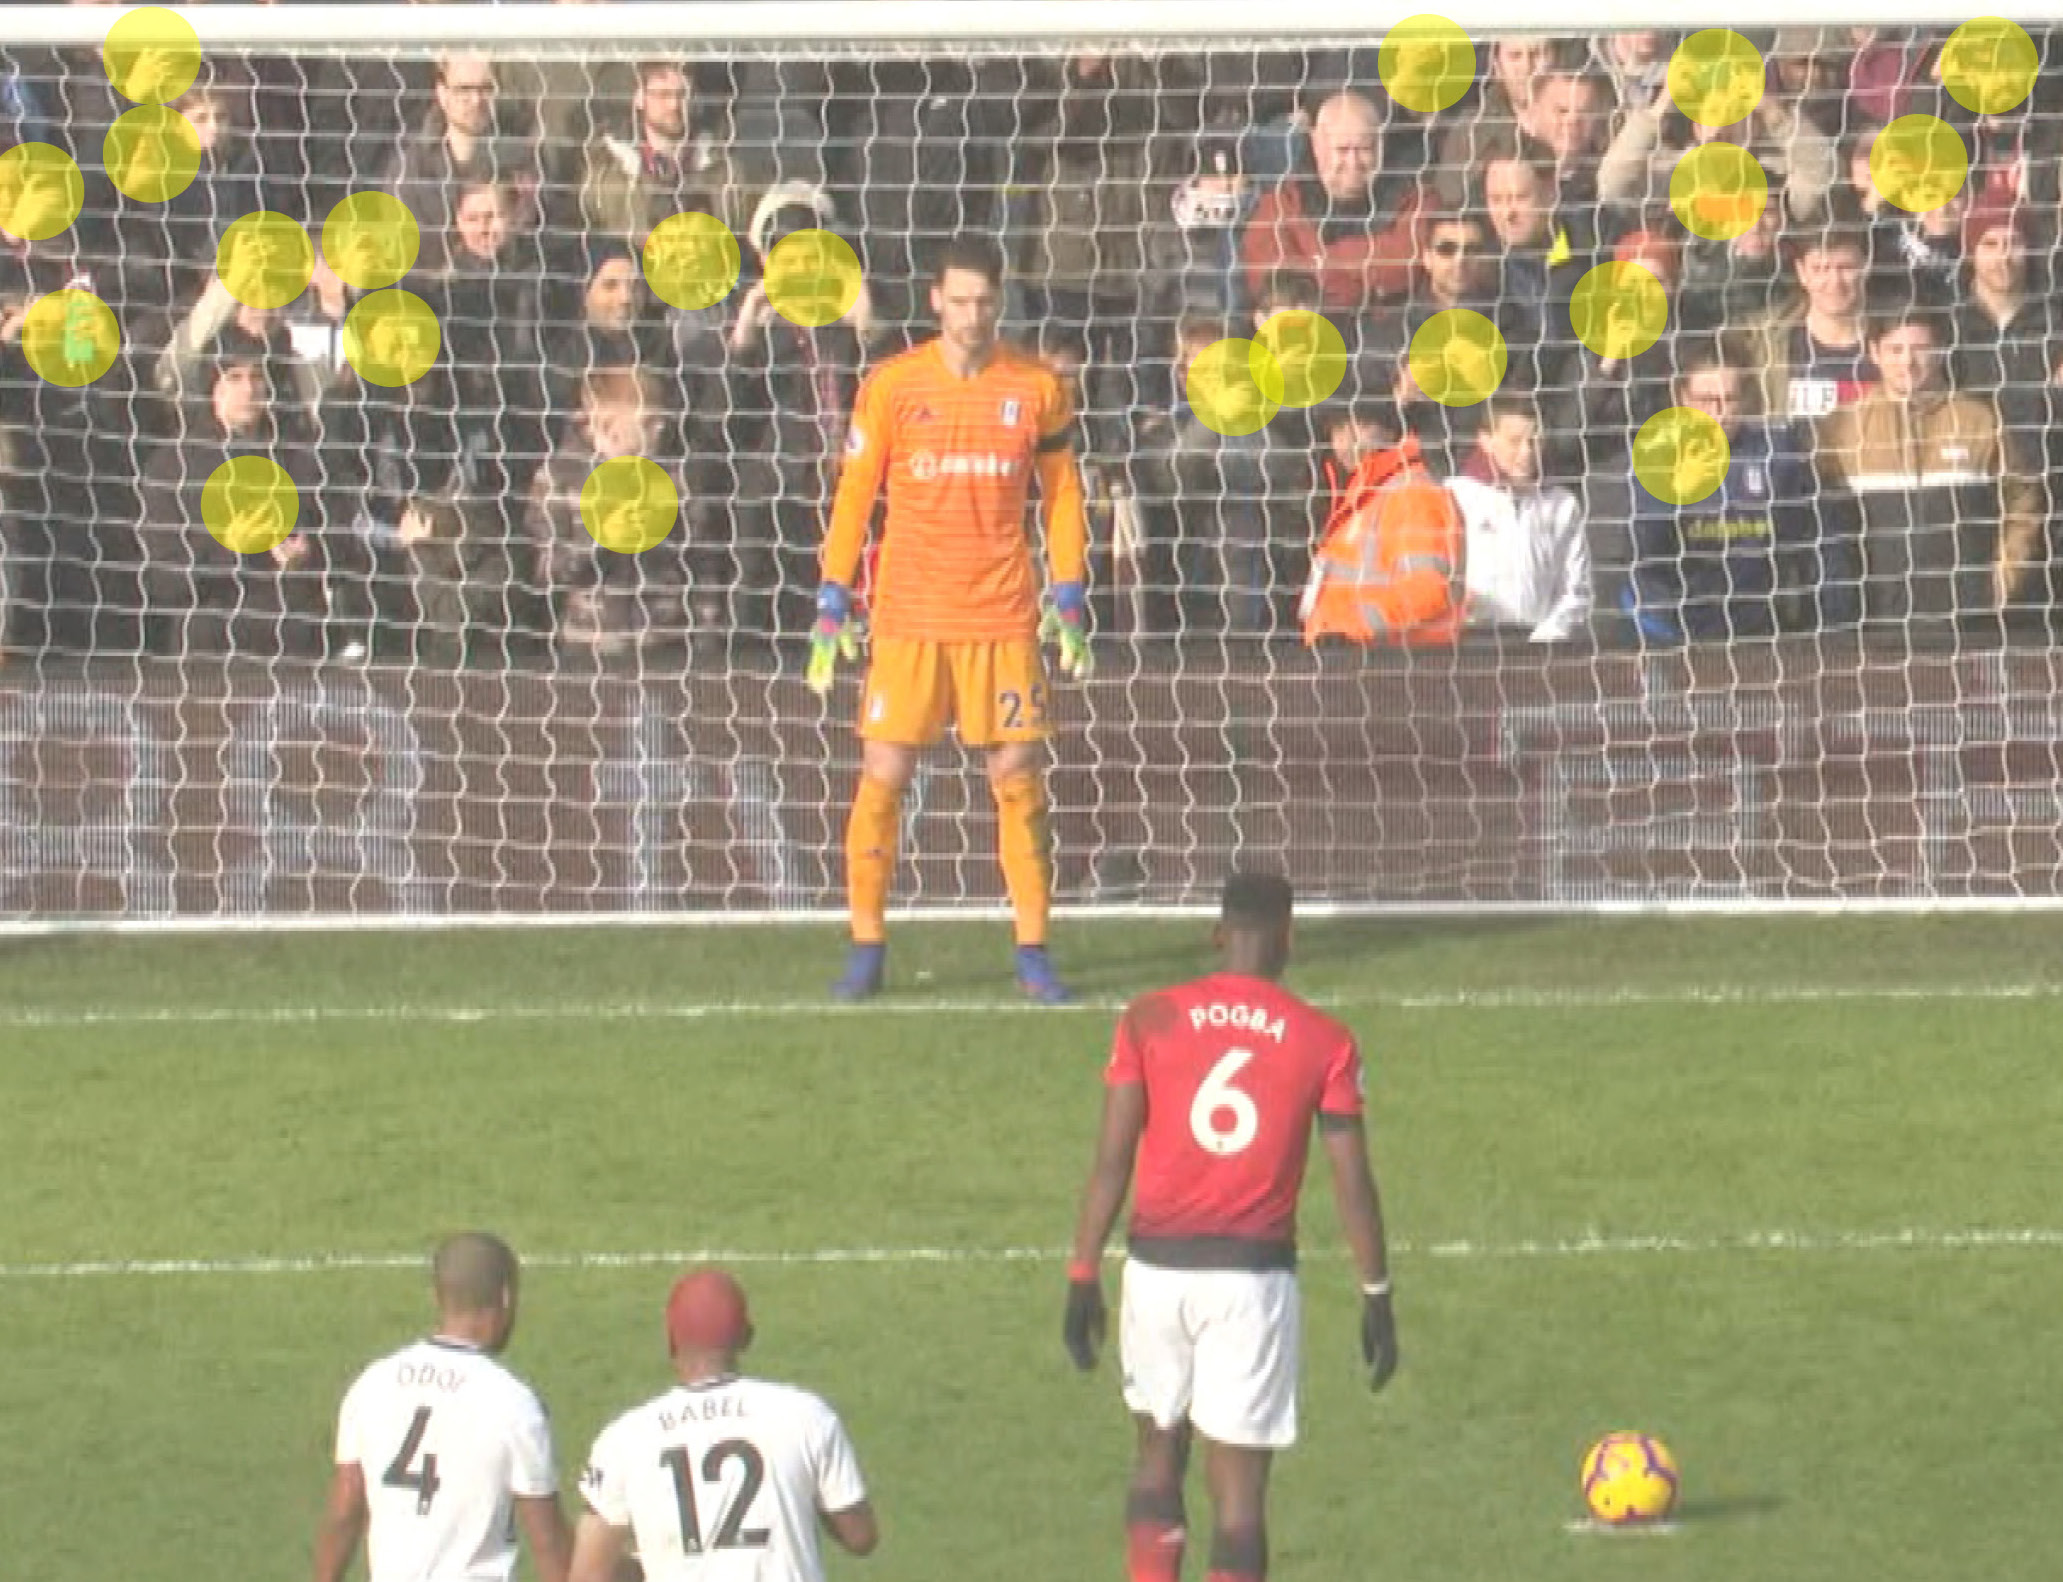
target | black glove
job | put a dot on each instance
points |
(1084, 1325)
(1378, 1339)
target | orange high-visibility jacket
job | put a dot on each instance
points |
(1389, 568)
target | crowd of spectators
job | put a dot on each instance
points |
(1887, 380)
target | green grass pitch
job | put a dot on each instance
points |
(1782, 1192)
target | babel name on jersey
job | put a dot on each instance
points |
(707, 1409)
(1247, 1018)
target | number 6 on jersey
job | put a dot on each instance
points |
(1224, 1119)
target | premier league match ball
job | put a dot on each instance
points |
(1629, 1478)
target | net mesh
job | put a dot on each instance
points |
(1546, 666)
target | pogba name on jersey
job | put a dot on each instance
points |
(1246, 1018)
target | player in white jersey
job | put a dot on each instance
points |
(723, 1478)
(441, 1451)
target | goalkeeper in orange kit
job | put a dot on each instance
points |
(956, 429)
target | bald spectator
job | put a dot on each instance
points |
(1347, 223)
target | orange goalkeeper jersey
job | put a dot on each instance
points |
(958, 457)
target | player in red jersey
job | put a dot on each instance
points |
(1213, 1089)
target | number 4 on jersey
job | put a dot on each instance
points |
(1224, 1119)
(424, 1480)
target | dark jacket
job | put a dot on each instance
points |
(1709, 569)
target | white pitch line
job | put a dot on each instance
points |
(1590, 1527)
(713, 1010)
(1796, 1242)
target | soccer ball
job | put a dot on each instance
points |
(1629, 1478)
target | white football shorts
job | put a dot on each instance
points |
(1218, 1347)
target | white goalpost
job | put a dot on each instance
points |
(438, 704)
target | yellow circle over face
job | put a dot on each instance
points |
(41, 191)
(1619, 310)
(1298, 358)
(152, 153)
(370, 240)
(1458, 358)
(1426, 62)
(1918, 163)
(1715, 77)
(692, 260)
(1718, 191)
(1223, 391)
(70, 337)
(250, 505)
(151, 55)
(392, 338)
(1988, 65)
(265, 259)
(1681, 455)
(629, 505)
(812, 278)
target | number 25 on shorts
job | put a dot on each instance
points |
(1022, 710)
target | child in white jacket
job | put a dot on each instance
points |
(1528, 561)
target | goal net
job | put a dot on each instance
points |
(1524, 468)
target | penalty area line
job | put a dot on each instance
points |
(1438, 1000)
(1591, 1527)
(1591, 1246)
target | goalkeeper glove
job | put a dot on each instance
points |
(1378, 1336)
(1066, 623)
(1086, 1321)
(835, 635)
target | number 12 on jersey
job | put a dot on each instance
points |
(731, 1532)
(1224, 1119)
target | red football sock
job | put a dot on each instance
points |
(1153, 1551)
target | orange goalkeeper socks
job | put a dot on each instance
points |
(870, 842)
(1024, 847)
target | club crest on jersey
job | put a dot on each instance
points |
(855, 440)
(1011, 410)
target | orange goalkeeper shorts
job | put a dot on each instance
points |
(991, 692)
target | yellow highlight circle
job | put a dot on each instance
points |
(1918, 163)
(812, 278)
(392, 338)
(691, 261)
(1426, 63)
(1716, 77)
(1988, 65)
(629, 505)
(1681, 455)
(371, 240)
(1619, 310)
(1223, 390)
(1299, 358)
(1718, 191)
(41, 191)
(250, 505)
(70, 337)
(152, 55)
(265, 259)
(1458, 358)
(152, 153)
